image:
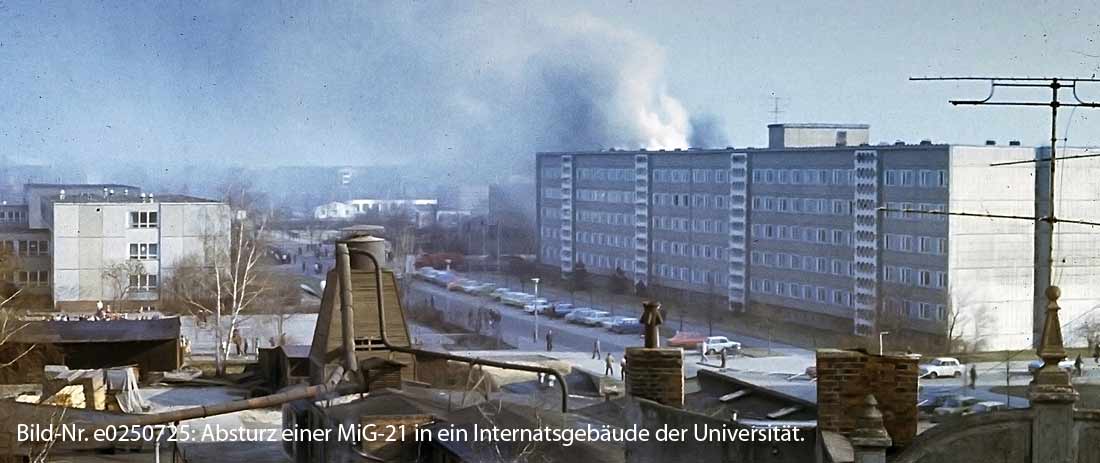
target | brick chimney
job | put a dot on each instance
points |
(653, 372)
(846, 377)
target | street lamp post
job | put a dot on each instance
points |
(880, 335)
(536, 303)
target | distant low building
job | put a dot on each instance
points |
(348, 210)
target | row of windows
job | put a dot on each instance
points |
(143, 282)
(13, 215)
(683, 224)
(813, 264)
(26, 248)
(604, 261)
(551, 213)
(820, 294)
(697, 276)
(834, 236)
(143, 251)
(915, 244)
(894, 208)
(551, 172)
(916, 309)
(609, 218)
(604, 239)
(697, 200)
(551, 232)
(605, 196)
(691, 175)
(40, 278)
(677, 248)
(143, 219)
(919, 277)
(802, 205)
(606, 174)
(915, 178)
(841, 177)
(551, 193)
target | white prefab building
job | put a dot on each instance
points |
(104, 245)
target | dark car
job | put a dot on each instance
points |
(633, 327)
(561, 309)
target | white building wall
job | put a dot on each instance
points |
(90, 237)
(990, 261)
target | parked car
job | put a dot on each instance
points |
(611, 320)
(954, 404)
(499, 293)
(460, 284)
(1035, 365)
(561, 309)
(686, 339)
(716, 344)
(628, 326)
(517, 299)
(442, 278)
(540, 305)
(425, 273)
(483, 289)
(942, 366)
(984, 407)
(594, 317)
(576, 314)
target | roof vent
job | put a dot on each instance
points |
(899, 143)
(61, 194)
(990, 142)
(1014, 143)
(926, 142)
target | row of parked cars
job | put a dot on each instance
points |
(531, 304)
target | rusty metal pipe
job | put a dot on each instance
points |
(345, 268)
(347, 327)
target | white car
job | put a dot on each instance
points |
(540, 305)
(1035, 365)
(716, 344)
(941, 367)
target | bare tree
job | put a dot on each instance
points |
(120, 277)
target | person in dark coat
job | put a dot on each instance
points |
(1077, 365)
(549, 340)
(973, 376)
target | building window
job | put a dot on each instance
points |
(143, 219)
(143, 251)
(143, 282)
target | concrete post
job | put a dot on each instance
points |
(1052, 395)
(870, 439)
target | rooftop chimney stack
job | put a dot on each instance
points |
(653, 372)
(846, 377)
(991, 143)
(61, 194)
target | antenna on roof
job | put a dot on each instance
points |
(775, 111)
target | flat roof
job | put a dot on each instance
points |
(124, 199)
(891, 146)
(818, 125)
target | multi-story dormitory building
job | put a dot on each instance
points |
(797, 231)
(69, 242)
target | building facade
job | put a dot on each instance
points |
(837, 237)
(110, 243)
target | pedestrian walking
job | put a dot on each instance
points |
(1077, 365)
(973, 376)
(549, 340)
(622, 368)
(703, 352)
(609, 365)
(595, 349)
(1096, 354)
(236, 338)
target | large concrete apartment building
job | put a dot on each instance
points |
(74, 242)
(799, 231)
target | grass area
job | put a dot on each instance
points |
(1090, 394)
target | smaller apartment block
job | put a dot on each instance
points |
(80, 244)
(801, 231)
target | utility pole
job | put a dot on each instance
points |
(1045, 217)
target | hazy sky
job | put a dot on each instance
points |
(435, 82)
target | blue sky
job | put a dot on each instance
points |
(394, 82)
